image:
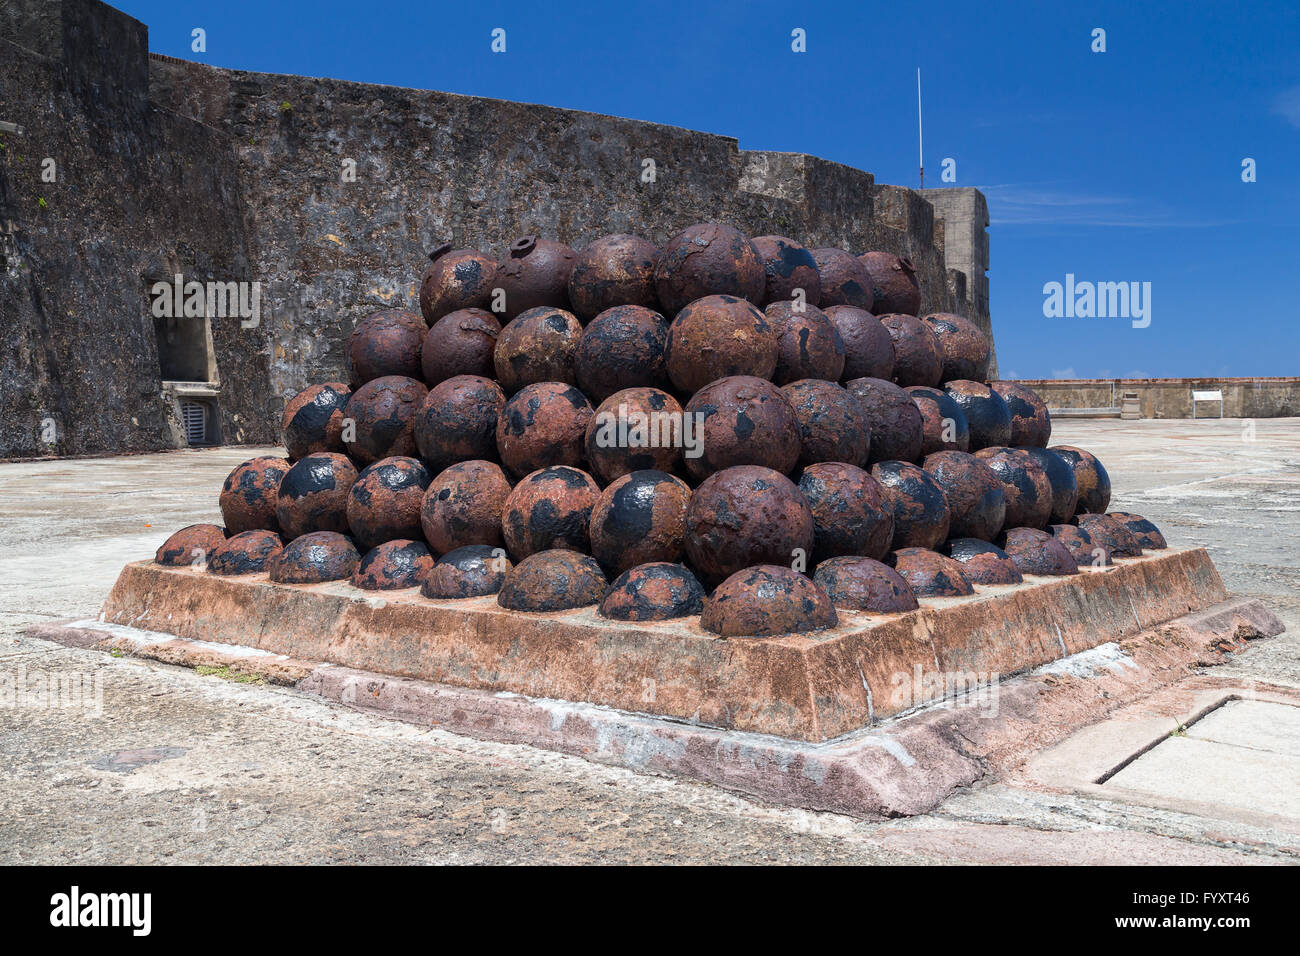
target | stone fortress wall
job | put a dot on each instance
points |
(168, 167)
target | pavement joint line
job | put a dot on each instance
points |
(1131, 819)
(1235, 745)
(1180, 486)
(1238, 744)
(1184, 725)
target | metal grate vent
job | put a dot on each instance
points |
(194, 415)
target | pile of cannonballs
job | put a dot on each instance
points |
(746, 430)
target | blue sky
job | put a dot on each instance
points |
(1115, 166)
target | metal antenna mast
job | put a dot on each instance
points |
(920, 141)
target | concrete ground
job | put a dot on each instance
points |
(153, 763)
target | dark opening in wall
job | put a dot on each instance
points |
(183, 354)
(199, 419)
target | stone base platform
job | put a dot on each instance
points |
(811, 687)
(902, 766)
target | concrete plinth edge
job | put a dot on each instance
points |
(815, 687)
(905, 766)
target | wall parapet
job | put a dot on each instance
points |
(1261, 397)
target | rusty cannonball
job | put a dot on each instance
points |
(555, 580)
(550, 508)
(640, 518)
(983, 563)
(534, 273)
(850, 513)
(963, 348)
(832, 423)
(456, 279)
(864, 584)
(1086, 551)
(313, 495)
(657, 591)
(384, 411)
(808, 344)
(788, 266)
(716, 337)
(612, 271)
(623, 347)
(543, 424)
(1035, 551)
(1060, 475)
(538, 345)
(248, 496)
(741, 420)
(1030, 422)
(458, 421)
(893, 283)
(392, 566)
(1147, 534)
(387, 342)
(986, 413)
(920, 510)
(977, 507)
(246, 553)
(313, 419)
(315, 558)
(897, 429)
(744, 516)
(766, 600)
(474, 570)
(916, 350)
(1024, 485)
(930, 574)
(1112, 535)
(384, 502)
(708, 259)
(462, 506)
(868, 347)
(190, 546)
(844, 279)
(634, 429)
(460, 343)
(1089, 476)
(943, 423)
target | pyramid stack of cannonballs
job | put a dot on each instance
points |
(750, 431)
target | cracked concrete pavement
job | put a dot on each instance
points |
(164, 764)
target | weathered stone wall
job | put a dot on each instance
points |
(140, 193)
(169, 166)
(1172, 397)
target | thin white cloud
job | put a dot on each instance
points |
(1031, 204)
(1287, 105)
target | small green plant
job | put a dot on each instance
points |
(116, 652)
(40, 201)
(285, 106)
(1180, 730)
(225, 673)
